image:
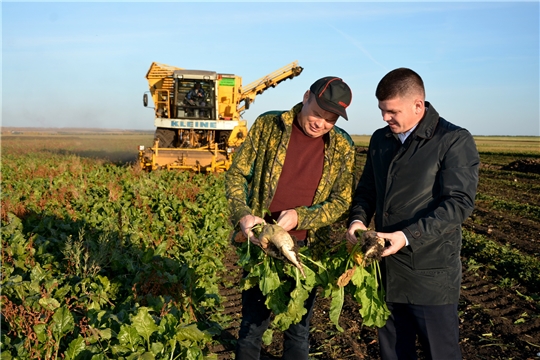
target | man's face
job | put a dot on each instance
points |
(402, 113)
(313, 120)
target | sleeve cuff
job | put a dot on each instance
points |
(406, 239)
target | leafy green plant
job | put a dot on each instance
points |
(367, 290)
(503, 260)
(101, 261)
(286, 290)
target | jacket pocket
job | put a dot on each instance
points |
(436, 256)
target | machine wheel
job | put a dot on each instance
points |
(166, 137)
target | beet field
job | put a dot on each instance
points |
(103, 261)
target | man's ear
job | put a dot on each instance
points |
(306, 97)
(419, 106)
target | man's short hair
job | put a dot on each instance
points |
(400, 82)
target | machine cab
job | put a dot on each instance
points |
(194, 95)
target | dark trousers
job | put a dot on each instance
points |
(255, 321)
(437, 327)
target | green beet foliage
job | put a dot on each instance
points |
(103, 261)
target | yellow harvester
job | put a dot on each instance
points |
(200, 132)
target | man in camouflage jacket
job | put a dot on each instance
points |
(271, 172)
(253, 177)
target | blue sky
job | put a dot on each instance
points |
(71, 64)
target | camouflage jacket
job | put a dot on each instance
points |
(252, 180)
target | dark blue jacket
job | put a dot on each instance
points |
(425, 188)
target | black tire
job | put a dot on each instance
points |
(166, 137)
(145, 100)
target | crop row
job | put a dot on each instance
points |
(502, 260)
(529, 211)
(102, 261)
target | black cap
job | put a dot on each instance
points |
(332, 95)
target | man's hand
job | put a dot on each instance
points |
(247, 223)
(396, 240)
(288, 219)
(350, 235)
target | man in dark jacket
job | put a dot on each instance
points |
(420, 182)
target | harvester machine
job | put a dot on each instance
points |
(198, 116)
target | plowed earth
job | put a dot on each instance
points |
(500, 318)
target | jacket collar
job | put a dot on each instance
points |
(426, 126)
(288, 116)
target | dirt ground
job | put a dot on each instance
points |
(497, 322)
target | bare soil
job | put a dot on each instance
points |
(497, 321)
